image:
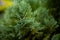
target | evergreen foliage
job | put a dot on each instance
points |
(29, 20)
